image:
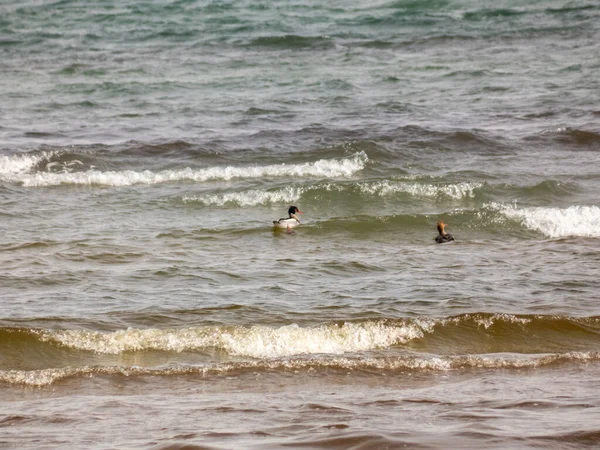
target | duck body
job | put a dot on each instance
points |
(443, 236)
(287, 223)
(447, 237)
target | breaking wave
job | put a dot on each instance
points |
(256, 341)
(249, 198)
(455, 191)
(22, 163)
(261, 341)
(20, 169)
(467, 341)
(401, 364)
(382, 188)
(574, 221)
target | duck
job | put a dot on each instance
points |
(443, 236)
(287, 223)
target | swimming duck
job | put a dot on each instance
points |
(443, 236)
(290, 222)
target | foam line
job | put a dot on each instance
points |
(14, 169)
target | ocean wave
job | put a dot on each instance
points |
(392, 364)
(487, 14)
(575, 137)
(17, 169)
(249, 198)
(579, 137)
(381, 188)
(574, 221)
(60, 160)
(455, 190)
(292, 42)
(21, 163)
(467, 333)
(256, 341)
(464, 141)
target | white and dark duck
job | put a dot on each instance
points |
(443, 236)
(287, 223)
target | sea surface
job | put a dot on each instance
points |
(146, 302)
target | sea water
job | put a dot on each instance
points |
(146, 148)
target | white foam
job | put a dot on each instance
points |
(249, 198)
(21, 163)
(488, 321)
(580, 221)
(325, 168)
(378, 188)
(256, 341)
(263, 342)
(457, 191)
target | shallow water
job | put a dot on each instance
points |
(146, 147)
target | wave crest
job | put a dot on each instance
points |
(15, 169)
(249, 198)
(256, 341)
(455, 191)
(574, 221)
(382, 188)
(398, 364)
